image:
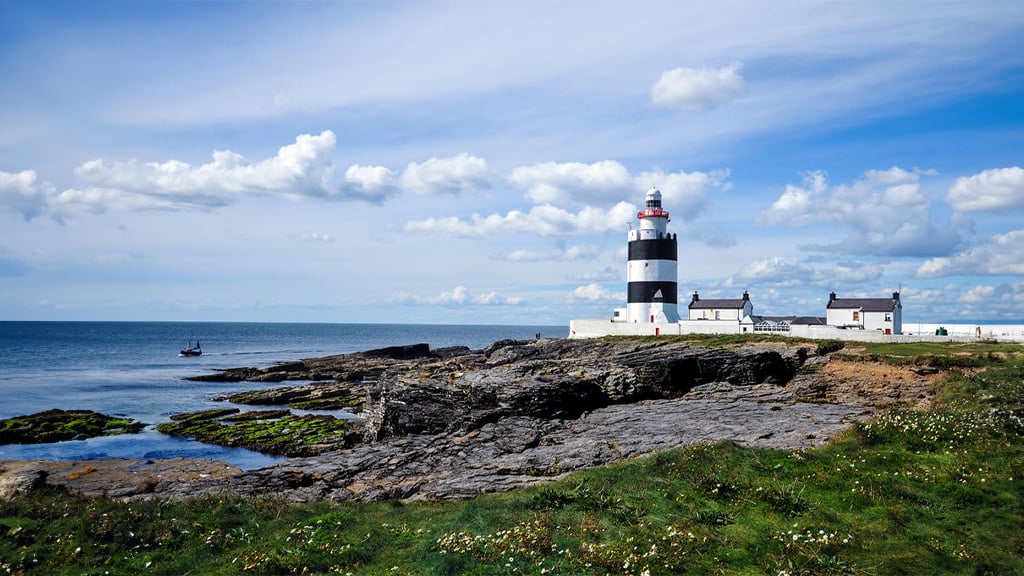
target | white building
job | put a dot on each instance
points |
(884, 314)
(720, 308)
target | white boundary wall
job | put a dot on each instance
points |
(912, 332)
(598, 328)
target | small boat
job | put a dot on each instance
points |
(191, 350)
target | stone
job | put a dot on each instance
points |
(518, 413)
(59, 425)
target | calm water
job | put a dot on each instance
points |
(133, 369)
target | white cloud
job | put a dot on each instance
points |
(971, 302)
(979, 294)
(596, 293)
(578, 252)
(96, 200)
(903, 195)
(796, 206)
(792, 273)
(446, 175)
(886, 213)
(23, 193)
(896, 175)
(496, 299)
(458, 296)
(698, 88)
(302, 169)
(523, 255)
(1003, 254)
(550, 182)
(544, 220)
(777, 271)
(609, 181)
(684, 194)
(991, 190)
(372, 183)
(581, 252)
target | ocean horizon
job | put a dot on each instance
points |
(132, 369)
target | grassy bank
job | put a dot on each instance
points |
(937, 492)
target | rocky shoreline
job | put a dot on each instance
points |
(455, 423)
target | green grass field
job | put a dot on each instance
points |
(936, 492)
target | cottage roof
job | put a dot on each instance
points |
(719, 303)
(791, 320)
(697, 303)
(865, 304)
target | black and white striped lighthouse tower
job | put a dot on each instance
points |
(651, 271)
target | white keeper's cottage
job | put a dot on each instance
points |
(885, 314)
(720, 308)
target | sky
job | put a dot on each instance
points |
(480, 162)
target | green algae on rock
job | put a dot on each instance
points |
(316, 396)
(60, 425)
(275, 432)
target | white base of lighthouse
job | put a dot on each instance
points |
(652, 312)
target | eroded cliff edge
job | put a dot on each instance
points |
(454, 423)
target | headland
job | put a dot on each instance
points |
(455, 423)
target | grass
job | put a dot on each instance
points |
(936, 492)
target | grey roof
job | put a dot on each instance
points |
(721, 303)
(865, 304)
(791, 320)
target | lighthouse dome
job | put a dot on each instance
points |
(653, 195)
(653, 198)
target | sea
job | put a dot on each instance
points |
(133, 369)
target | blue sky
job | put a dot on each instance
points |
(479, 162)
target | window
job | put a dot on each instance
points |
(856, 316)
(888, 317)
(717, 315)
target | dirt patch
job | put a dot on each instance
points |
(868, 383)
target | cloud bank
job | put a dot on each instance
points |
(458, 296)
(989, 191)
(1003, 254)
(886, 213)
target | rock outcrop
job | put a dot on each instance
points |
(59, 425)
(453, 424)
(274, 432)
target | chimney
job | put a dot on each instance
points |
(831, 296)
(746, 295)
(695, 297)
(896, 296)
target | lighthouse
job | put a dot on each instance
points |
(651, 270)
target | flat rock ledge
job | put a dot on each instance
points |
(117, 478)
(452, 426)
(521, 451)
